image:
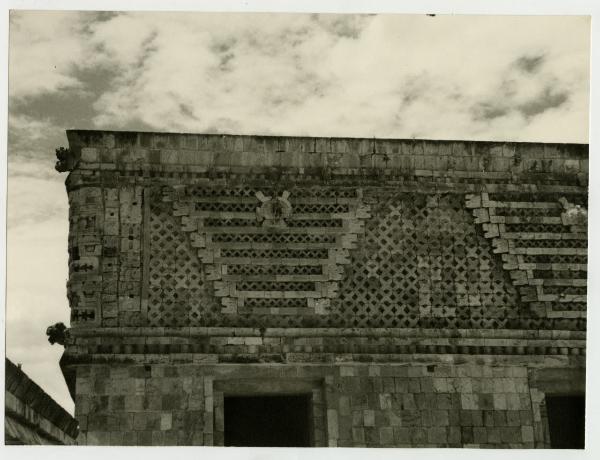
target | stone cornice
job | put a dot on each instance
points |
(518, 161)
(516, 334)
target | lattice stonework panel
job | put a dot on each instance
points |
(325, 257)
(177, 292)
(423, 264)
(271, 252)
(542, 239)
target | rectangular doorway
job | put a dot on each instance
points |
(566, 421)
(267, 421)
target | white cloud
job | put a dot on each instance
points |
(44, 47)
(388, 75)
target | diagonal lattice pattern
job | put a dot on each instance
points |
(423, 266)
(177, 292)
(421, 262)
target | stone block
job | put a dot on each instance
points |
(527, 434)
(385, 401)
(469, 401)
(402, 435)
(144, 438)
(513, 418)
(510, 434)
(485, 401)
(477, 417)
(386, 436)
(437, 435)
(440, 418)
(166, 421)
(410, 418)
(493, 435)
(419, 436)
(500, 401)
(480, 435)
(358, 435)
(369, 418)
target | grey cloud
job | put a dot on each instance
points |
(413, 88)
(276, 44)
(96, 79)
(343, 26)
(89, 19)
(530, 64)
(104, 16)
(508, 87)
(67, 108)
(187, 111)
(306, 85)
(222, 44)
(507, 98)
(34, 142)
(410, 94)
(224, 49)
(149, 47)
(70, 108)
(546, 100)
(225, 64)
(484, 111)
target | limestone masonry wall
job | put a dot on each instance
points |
(443, 405)
(425, 293)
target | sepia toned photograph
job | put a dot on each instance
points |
(251, 229)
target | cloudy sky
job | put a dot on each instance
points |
(406, 76)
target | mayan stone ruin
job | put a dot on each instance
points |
(296, 291)
(31, 416)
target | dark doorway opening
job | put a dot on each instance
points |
(566, 421)
(267, 421)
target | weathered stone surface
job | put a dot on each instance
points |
(423, 293)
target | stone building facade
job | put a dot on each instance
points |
(31, 416)
(378, 293)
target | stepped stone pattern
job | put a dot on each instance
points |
(421, 293)
(543, 242)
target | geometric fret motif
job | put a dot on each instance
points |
(243, 237)
(420, 260)
(543, 243)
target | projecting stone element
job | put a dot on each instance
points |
(274, 211)
(574, 214)
(65, 160)
(57, 333)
